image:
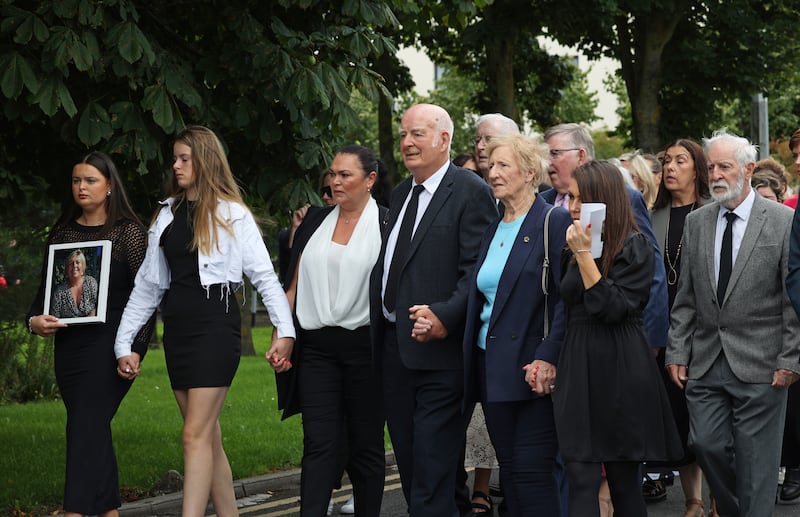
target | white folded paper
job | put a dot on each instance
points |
(594, 214)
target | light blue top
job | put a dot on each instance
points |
(492, 268)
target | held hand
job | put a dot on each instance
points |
(677, 372)
(578, 238)
(784, 378)
(280, 354)
(128, 366)
(427, 326)
(540, 376)
(46, 325)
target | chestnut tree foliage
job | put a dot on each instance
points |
(273, 79)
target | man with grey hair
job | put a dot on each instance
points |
(418, 301)
(488, 126)
(571, 146)
(734, 340)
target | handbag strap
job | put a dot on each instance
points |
(546, 271)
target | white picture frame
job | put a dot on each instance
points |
(59, 300)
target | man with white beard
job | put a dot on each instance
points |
(734, 340)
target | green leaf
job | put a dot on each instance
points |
(61, 44)
(94, 125)
(65, 99)
(178, 80)
(309, 154)
(157, 100)
(126, 115)
(334, 82)
(131, 42)
(65, 9)
(16, 73)
(47, 96)
(280, 29)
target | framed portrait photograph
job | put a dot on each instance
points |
(77, 281)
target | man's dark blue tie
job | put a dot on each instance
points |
(401, 248)
(725, 258)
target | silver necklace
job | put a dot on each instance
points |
(672, 273)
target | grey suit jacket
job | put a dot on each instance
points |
(756, 326)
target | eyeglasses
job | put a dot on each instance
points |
(487, 139)
(325, 191)
(556, 153)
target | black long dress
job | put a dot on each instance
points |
(202, 327)
(86, 373)
(609, 402)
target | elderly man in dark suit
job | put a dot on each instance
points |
(418, 298)
(734, 340)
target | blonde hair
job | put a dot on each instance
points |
(529, 152)
(213, 181)
(641, 170)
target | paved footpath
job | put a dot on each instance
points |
(277, 495)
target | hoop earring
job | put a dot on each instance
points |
(108, 193)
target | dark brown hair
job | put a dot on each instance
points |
(701, 191)
(118, 207)
(600, 181)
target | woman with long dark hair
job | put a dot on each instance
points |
(610, 405)
(684, 188)
(84, 354)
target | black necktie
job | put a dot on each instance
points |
(725, 258)
(401, 249)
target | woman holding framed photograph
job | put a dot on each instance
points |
(84, 354)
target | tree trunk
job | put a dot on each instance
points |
(500, 62)
(645, 76)
(386, 130)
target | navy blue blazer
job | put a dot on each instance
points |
(516, 327)
(656, 313)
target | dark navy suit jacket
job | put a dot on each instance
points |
(516, 326)
(656, 312)
(437, 270)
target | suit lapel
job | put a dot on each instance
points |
(707, 237)
(529, 238)
(398, 197)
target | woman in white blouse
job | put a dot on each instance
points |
(333, 253)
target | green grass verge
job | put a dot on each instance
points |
(147, 434)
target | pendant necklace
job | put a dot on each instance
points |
(672, 264)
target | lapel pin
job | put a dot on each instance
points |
(526, 239)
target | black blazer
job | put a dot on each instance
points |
(438, 269)
(286, 382)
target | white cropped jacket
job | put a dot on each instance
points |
(244, 252)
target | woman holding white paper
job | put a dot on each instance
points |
(610, 405)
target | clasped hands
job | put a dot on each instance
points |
(280, 353)
(128, 366)
(540, 376)
(427, 326)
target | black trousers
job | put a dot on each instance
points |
(790, 453)
(427, 426)
(340, 392)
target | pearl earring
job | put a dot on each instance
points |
(108, 193)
